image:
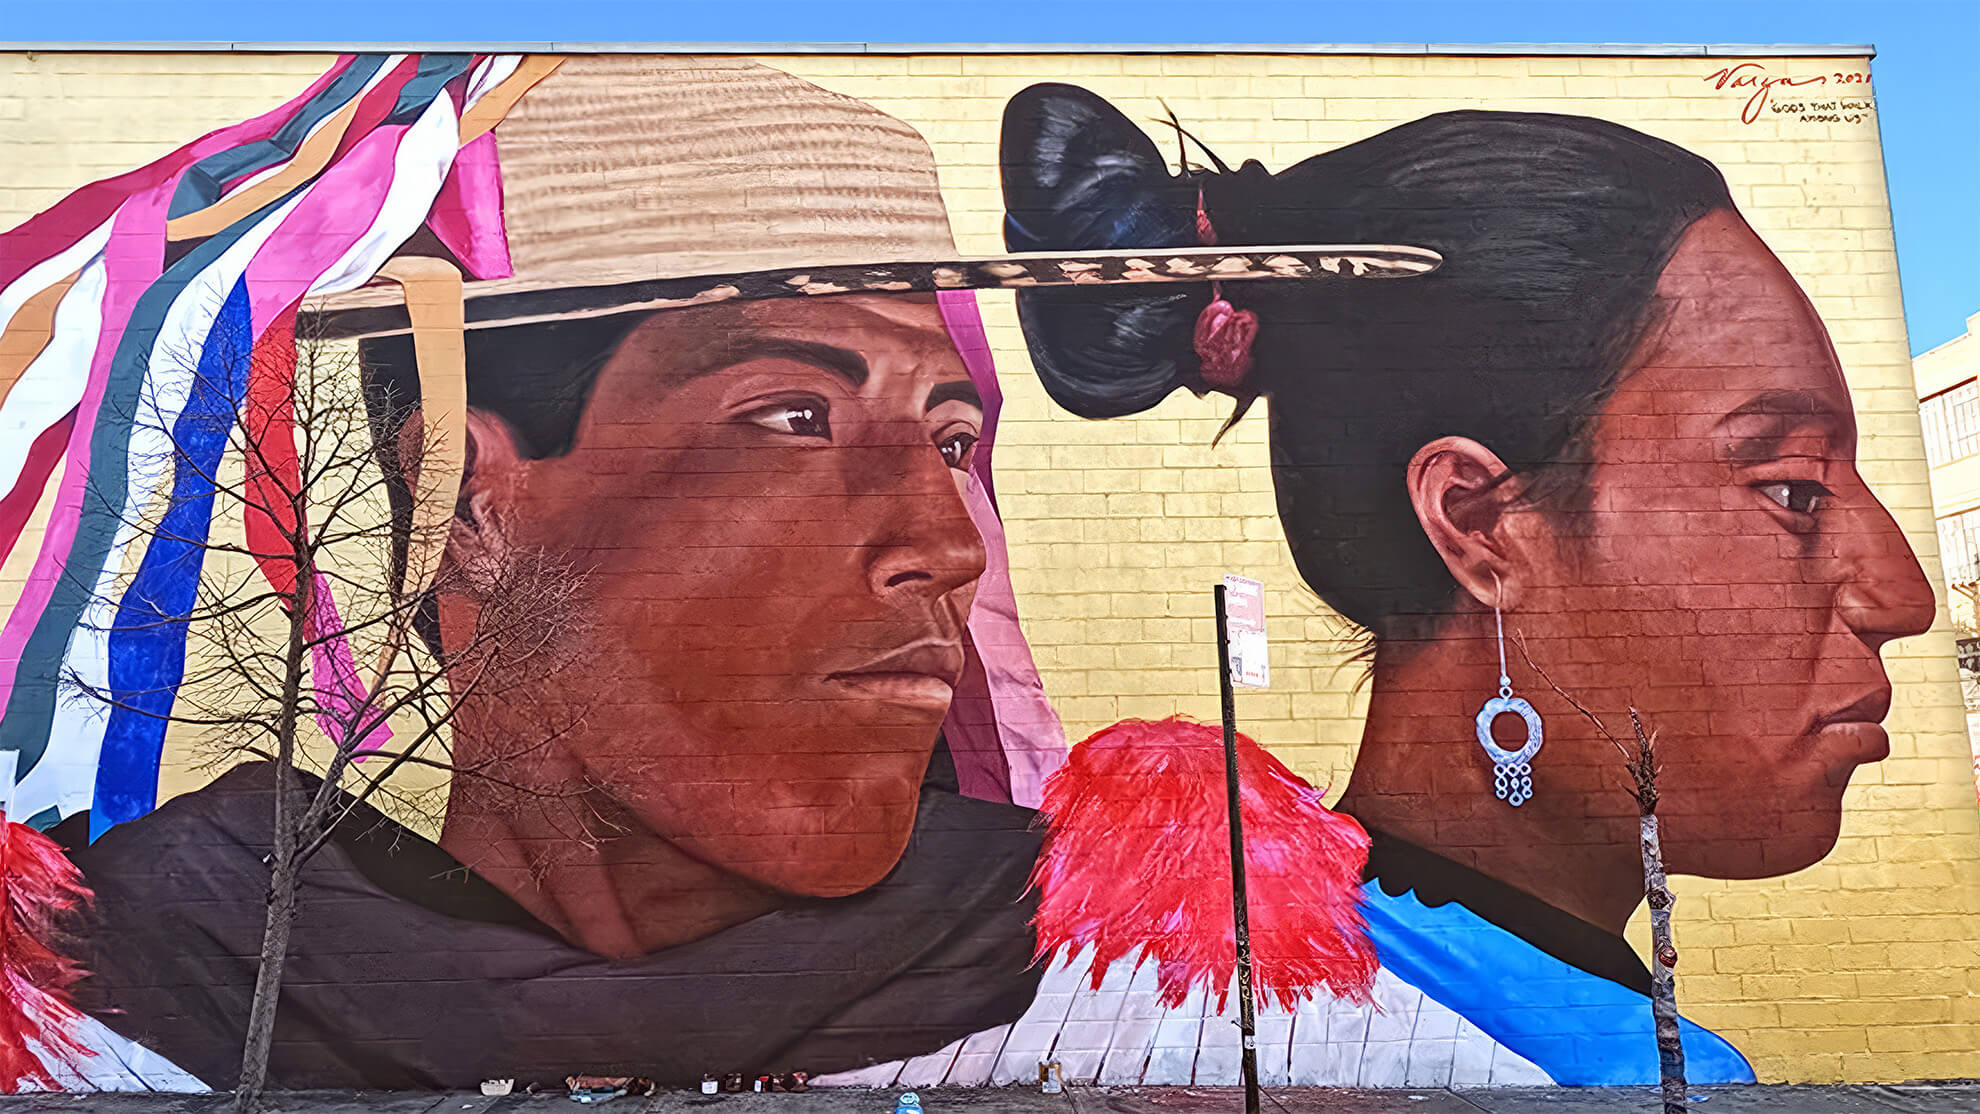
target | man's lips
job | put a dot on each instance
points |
(920, 673)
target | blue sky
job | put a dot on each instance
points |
(1927, 69)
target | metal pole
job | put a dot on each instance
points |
(1247, 1019)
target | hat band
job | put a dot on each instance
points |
(1150, 266)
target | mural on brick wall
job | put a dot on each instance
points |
(780, 788)
(1602, 458)
(714, 347)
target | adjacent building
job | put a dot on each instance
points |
(1948, 379)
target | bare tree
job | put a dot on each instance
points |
(1663, 972)
(1641, 762)
(312, 645)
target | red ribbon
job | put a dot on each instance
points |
(1224, 333)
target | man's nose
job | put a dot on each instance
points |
(924, 541)
(1885, 594)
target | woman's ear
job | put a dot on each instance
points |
(1461, 492)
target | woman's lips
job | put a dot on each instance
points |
(1858, 742)
(1858, 730)
(925, 673)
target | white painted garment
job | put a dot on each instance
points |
(1121, 1035)
(119, 1065)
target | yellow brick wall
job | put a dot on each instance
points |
(1865, 967)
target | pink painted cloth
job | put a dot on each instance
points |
(133, 260)
(1001, 729)
(334, 675)
(467, 216)
(54, 230)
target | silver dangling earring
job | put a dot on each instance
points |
(1512, 770)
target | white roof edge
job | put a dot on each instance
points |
(1948, 345)
(1720, 50)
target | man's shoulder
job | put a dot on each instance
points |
(945, 809)
(230, 814)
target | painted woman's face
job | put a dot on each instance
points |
(766, 498)
(1734, 578)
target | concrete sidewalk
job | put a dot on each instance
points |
(1907, 1099)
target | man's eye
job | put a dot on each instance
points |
(1799, 496)
(956, 449)
(802, 418)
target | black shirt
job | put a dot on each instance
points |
(405, 969)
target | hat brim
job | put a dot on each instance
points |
(1153, 266)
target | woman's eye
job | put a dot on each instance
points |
(1799, 496)
(803, 418)
(956, 448)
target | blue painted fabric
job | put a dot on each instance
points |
(435, 71)
(1583, 1030)
(148, 636)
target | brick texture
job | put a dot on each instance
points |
(1865, 967)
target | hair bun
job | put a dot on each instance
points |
(1080, 176)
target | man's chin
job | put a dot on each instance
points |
(834, 866)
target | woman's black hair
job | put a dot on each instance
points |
(1554, 230)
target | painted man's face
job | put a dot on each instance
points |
(765, 498)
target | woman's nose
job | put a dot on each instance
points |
(1885, 594)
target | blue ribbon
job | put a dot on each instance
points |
(148, 638)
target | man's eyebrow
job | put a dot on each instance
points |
(741, 348)
(957, 390)
(1782, 413)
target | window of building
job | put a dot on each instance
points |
(1959, 546)
(1952, 423)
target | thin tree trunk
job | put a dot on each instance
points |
(1664, 956)
(1663, 975)
(282, 863)
(267, 990)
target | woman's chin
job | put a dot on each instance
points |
(1746, 855)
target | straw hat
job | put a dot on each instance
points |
(661, 181)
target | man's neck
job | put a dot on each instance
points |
(587, 868)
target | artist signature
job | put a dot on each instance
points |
(1754, 76)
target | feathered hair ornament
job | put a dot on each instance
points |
(1137, 858)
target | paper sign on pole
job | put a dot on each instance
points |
(1244, 607)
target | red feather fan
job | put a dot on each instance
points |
(1137, 856)
(38, 888)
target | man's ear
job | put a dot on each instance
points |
(491, 481)
(1461, 492)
